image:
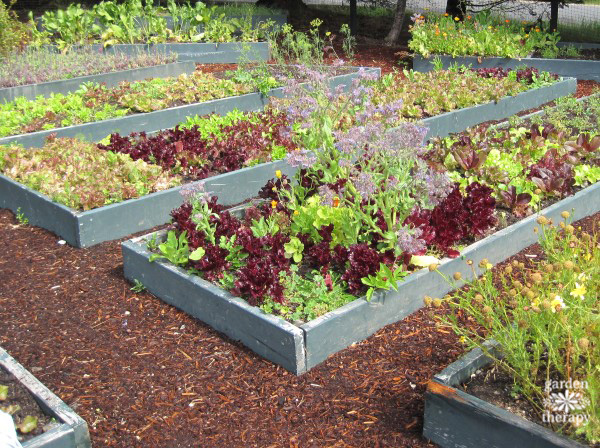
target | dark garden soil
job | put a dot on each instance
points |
(19, 395)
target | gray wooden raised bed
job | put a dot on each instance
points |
(300, 348)
(31, 91)
(72, 431)
(201, 53)
(163, 119)
(461, 119)
(575, 68)
(454, 418)
(87, 228)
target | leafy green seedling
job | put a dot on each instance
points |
(28, 424)
(138, 286)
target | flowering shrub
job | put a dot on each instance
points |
(479, 35)
(544, 317)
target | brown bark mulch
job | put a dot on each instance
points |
(142, 373)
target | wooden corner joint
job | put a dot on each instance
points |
(437, 388)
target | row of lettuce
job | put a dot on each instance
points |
(368, 202)
(424, 95)
(210, 145)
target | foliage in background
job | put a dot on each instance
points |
(13, 33)
(479, 35)
(78, 175)
(37, 65)
(544, 317)
(140, 21)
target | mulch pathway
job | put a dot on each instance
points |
(141, 373)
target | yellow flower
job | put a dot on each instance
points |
(582, 277)
(489, 266)
(526, 35)
(536, 302)
(278, 174)
(273, 204)
(445, 14)
(579, 291)
(444, 34)
(296, 212)
(457, 19)
(557, 304)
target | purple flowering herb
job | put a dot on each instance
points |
(409, 241)
(302, 158)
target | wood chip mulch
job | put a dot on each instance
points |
(141, 373)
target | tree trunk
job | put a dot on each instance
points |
(394, 33)
(456, 8)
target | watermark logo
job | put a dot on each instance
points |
(566, 402)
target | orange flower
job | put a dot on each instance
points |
(273, 204)
(445, 14)
(507, 21)
(336, 201)
(468, 17)
(437, 32)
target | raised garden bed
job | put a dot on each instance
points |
(161, 119)
(72, 430)
(312, 339)
(579, 69)
(461, 119)
(84, 229)
(300, 348)
(31, 91)
(456, 418)
(201, 53)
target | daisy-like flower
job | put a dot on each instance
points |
(579, 291)
(582, 277)
(558, 304)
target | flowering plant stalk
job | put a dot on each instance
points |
(544, 317)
